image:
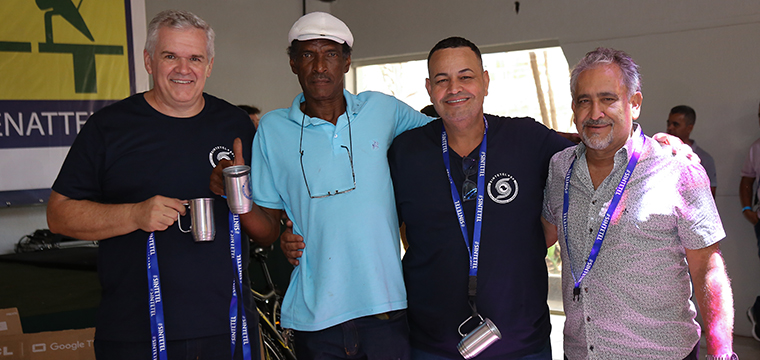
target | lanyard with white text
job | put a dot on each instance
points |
(156, 305)
(158, 339)
(237, 262)
(472, 287)
(607, 217)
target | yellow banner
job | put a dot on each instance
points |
(64, 50)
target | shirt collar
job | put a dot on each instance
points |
(353, 105)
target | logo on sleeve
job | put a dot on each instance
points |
(219, 153)
(502, 188)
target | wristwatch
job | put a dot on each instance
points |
(731, 356)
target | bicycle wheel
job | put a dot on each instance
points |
(274, 340)
(271, 352)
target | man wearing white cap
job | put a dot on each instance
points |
(323, 161)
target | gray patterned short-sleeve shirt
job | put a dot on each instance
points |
(635, 301)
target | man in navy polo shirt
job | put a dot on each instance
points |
(503, 236)
(126, 178)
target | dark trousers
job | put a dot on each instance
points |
(207, 348)
(544, 354)
(375, 337)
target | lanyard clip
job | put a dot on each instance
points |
(576, 293)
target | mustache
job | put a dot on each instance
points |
(459, 95)
(602, 121)
(320, 76)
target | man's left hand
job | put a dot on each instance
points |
(677, 146)
(575, 138)
(292, 245)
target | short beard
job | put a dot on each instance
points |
(597, 142)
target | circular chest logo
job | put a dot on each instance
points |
(502, 188)
(219, 153)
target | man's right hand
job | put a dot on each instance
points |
(217, 177)
(292, 245)
(156, 213)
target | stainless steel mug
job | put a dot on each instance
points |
(237, 185)
(202, 219)
(479, 339)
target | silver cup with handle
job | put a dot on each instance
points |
(201, 219)
(479, 339)
(237, 186)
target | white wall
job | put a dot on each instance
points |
(696, 52)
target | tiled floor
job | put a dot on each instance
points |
(746, 347)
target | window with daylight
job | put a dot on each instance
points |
(524, 82)
(534, 83)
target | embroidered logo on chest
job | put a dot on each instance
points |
(502, 188)
(219, 153)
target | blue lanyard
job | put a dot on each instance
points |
(237, 261)
(607, 217)
(157, 331)
(458, 203)
(158, 339)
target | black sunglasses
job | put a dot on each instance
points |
(469, 187)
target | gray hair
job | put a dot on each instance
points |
(181, 20)
(605, 56)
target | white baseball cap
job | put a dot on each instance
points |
(320, 25)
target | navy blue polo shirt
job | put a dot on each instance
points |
(512, 275)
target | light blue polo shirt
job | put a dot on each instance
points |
(351, 264)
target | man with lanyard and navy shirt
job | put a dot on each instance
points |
(125, 181)
(468, 187)
(634, 223)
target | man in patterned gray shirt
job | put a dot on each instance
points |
(655, 215)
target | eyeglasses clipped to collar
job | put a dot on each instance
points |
(349, 152)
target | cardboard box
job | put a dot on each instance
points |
(50, 345)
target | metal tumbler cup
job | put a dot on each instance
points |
(237, 185)
(479, 339)
(202, 219)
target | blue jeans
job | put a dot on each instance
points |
(544, 354)
(375, 337)
(206, 348)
